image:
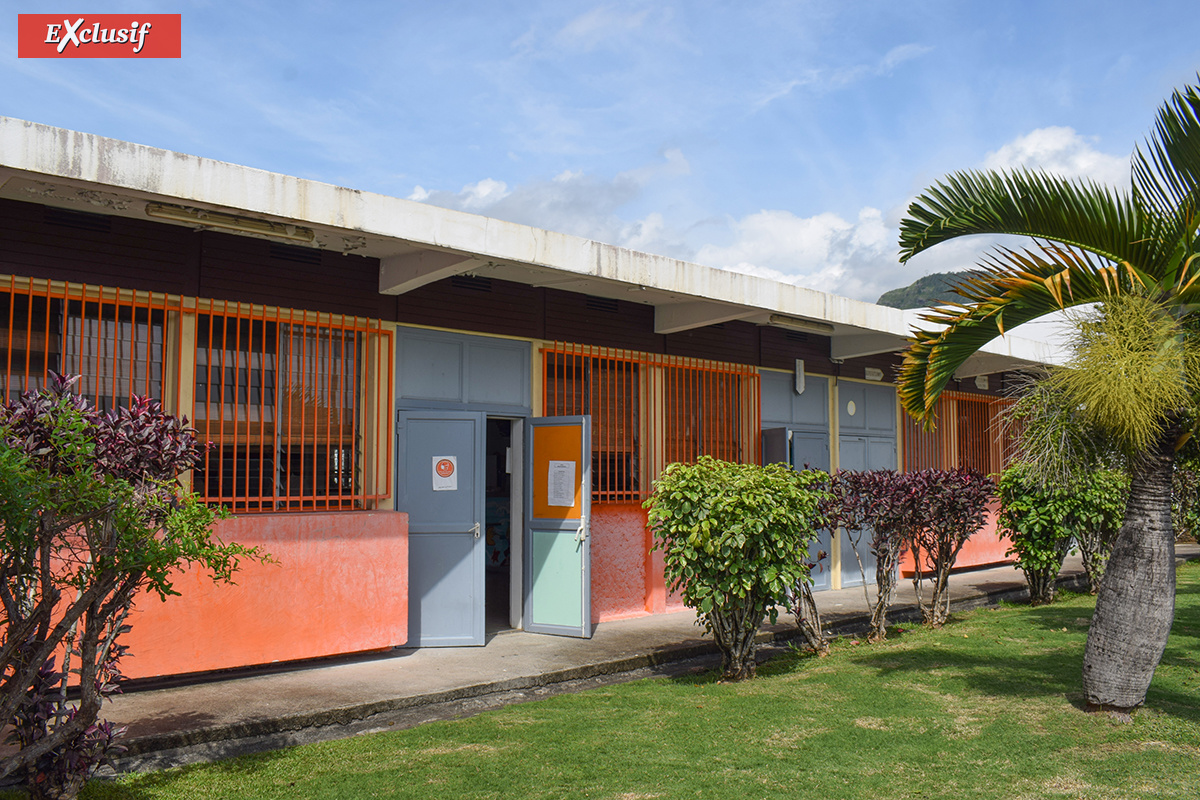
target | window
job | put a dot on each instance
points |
(969, 432)
(114, 340)
(284, 399)
(704, 412)
(295, 405)
(607, 388)
(648, 411)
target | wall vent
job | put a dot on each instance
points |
(471, 283)
(297, 255)
(603, 304)
(795, 336)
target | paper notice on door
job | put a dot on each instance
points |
(445, 473)
(561, 484)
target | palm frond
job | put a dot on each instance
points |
(1076, 213)
(1166, 174)
(1013, 288)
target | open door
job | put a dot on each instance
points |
(558, 493)
(440, 483)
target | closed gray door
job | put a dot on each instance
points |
(811, 450)
(440, 455)
(862, 453)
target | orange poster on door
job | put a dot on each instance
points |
(557, 471)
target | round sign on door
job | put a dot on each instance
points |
(445, 473)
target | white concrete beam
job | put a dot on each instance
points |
(866, 344)
(986, 364)
(677, 317)
(400, 274)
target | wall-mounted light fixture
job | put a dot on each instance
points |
(800, 324)
(230, 222)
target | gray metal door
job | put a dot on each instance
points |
(558, 495)
(440, 484)
(811, 450)
(862, 453)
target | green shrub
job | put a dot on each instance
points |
(1043, 521)
(735, 540)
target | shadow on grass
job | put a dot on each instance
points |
(165, 783)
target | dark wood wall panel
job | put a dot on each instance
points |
(856, 367)
(259, 271)
(483, 305)
(730, 341)
(599, 321)
(41, 242)
(779, 349)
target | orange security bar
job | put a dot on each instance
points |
(969, 432)
(651, 410)
(296, 405)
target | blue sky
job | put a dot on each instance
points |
(777, 138)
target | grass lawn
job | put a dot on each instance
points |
(988, 707)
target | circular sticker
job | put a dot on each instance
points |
(445, 468)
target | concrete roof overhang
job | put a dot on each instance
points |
(418, 243)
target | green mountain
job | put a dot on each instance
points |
(923, 292)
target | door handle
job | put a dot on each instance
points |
(581, 533)
(475, 530)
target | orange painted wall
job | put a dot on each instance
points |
(987, 546)
(618, 561)
(627, 574)
(339, 585)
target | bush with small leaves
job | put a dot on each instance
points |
(735, 540)
(1043, 521)
(880, 504)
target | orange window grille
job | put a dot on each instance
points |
(650, 410)
(296, 407)
(969, 431)
(117, 341)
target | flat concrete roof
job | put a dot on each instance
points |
(419, 243)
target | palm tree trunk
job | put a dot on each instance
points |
(1136, 602)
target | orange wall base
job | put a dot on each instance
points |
(987, 546)
(339, 585)
(618, 561)
(627, 573)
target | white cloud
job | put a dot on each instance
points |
(860, 258)
(905, 52)
(591, 28)
(577, 203)
(832, 79)
(1063, 151)
(855, 258)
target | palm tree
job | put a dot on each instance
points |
(1088, 244)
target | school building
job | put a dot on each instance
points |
(439, 424)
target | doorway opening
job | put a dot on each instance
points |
(498, 525)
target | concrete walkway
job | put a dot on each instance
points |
(273, 708)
